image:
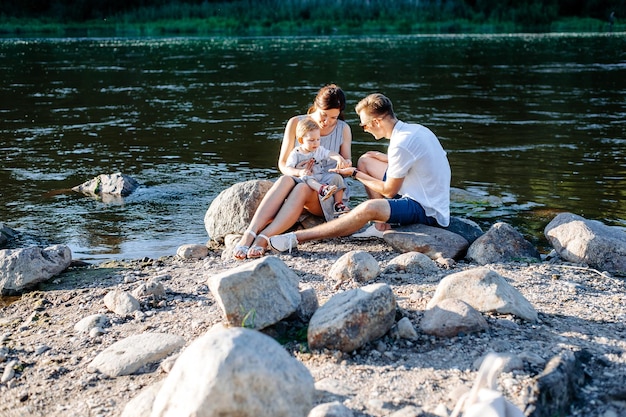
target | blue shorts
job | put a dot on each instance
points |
(405, 210)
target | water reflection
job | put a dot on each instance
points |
(534, 121)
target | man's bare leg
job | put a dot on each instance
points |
(377, 210)
(374, 167)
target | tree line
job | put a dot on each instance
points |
(525, 13)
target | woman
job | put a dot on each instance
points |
(285, 201)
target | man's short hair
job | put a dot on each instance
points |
(376, 105)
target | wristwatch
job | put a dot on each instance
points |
(353, 175)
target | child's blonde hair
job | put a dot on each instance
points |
(305, 126)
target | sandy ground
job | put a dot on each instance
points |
(579, 309)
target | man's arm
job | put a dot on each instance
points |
(388, 188)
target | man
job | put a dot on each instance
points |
(410, 184)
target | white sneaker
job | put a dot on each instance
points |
(371, 231)
(283, 243)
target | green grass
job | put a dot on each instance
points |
(228, 26)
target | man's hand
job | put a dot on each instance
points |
(344, 172)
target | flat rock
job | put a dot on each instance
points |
(128, 355)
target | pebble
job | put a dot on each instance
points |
(9, 371)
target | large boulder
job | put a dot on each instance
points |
(231, 211)
(353, 318)
(25, 267)
(235, 372)
(432, 241)
(485, 290)
(257, 294)
(502, 243)
(579, 240)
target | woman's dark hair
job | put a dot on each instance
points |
(330, 97)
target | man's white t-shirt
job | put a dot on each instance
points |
(416, 155)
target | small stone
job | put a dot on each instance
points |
(96, 332)
(9, 372)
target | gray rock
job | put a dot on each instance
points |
(458, 195)
(308, 304)
(90, 322)
(579, 240)
(485, 290)
(355, 266)
(192, 251)
(333, 409)
(117, 184)
(242, 372)
(467, 228)
(408, 411)
(405, 329)
(121, 302)
(23, 268)
(352, 318)
(434, 242)
(257, 294)
(412, 263)
(553, 391)
(128, 355)
(231, 211)
(450, 317)
(6, 234)
(9, 371)
(152, 288)
(141, 404)
(502, 243)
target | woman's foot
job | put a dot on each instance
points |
(257, 250)
(240, 252)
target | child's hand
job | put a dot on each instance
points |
(306, 167)
(343, 163)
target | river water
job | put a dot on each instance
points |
(536, 122)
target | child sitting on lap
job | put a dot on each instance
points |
(309, 151)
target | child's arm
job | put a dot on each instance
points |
(297, 170)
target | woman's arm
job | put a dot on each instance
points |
(288, 144)
(346, 146)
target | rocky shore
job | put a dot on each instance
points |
(45, 361)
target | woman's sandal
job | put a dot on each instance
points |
(257, 251)
(242, 250)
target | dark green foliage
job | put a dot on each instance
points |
(306, 16)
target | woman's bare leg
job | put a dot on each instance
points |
(265, 212)
(300, 198)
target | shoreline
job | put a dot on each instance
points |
(578, 310)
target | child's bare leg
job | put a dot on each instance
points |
(338, 196)
(314, 184)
